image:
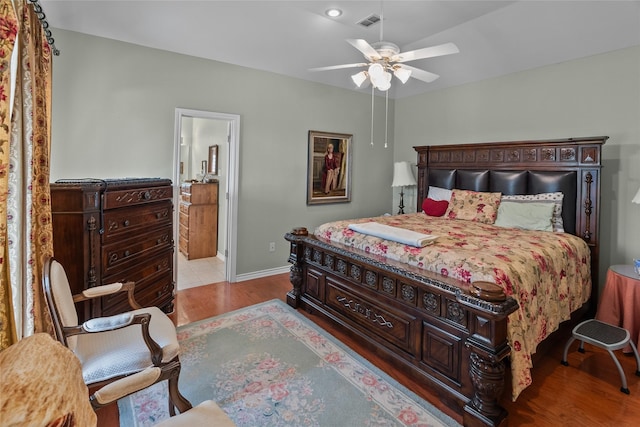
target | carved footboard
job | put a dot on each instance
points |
(430, 325)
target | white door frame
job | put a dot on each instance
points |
(231, 192)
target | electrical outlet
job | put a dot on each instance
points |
(272, 246)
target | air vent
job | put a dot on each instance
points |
(369, 20)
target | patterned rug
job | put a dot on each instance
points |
(267, 365)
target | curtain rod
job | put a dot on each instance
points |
(45, 25)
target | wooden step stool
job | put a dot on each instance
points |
(605, 336)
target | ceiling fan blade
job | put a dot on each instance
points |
(339, 67)
(419, 74)
(367, 50)
(427, 52)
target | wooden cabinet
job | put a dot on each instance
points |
(115, 230)
(198, 220)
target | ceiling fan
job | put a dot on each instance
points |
(384, 59)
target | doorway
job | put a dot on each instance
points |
(195, 132)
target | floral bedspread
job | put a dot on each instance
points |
(547, 273)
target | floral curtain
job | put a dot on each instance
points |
(25, 209)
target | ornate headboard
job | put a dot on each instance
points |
(569, 165)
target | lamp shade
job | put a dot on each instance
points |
(359, 78)
(636, 198)
(402, 175)
(402, 74)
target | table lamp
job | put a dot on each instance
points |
(402, 177)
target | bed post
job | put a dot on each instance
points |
(296, 258)
(488, 347)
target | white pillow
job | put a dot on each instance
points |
(438, 193)
(554, 198)
(526, 216)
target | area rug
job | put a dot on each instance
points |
(267, 365)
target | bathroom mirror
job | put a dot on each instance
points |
(213, 160)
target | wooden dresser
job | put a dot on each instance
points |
(199, 220)
(115, 230)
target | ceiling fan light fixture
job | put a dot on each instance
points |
(359, 78)
(402, 74)
(385, 84)
(381, 81)
(375, 71)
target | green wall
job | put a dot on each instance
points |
(593, 96)
(113, 116)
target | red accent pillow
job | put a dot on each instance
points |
(434, 207)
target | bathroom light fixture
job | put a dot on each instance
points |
(333, 13)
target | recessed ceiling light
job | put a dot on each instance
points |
(333, 13)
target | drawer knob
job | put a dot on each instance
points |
(147, 195)
(126, 223)
(158, 215)
(127, 253)
(159, 241)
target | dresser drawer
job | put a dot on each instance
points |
(201, 193)
(183, 246)
(154, 290)
(184, 232)
(184, 208)
(134, 196)
(122, 255)
(122, 223)
(145, 274)
(184, 220)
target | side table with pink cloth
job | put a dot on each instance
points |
(620, 301)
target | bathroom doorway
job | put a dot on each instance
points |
(197, 133)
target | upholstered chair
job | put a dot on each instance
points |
(119, 354)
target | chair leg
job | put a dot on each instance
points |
(176, 399)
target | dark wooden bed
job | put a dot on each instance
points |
(431, 325)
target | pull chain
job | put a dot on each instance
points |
(372, 99)
(386, 120)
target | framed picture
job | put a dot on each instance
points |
(329, 168)
(213, 160)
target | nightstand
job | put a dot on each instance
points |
(620, 301)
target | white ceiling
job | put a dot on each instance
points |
(289, 37)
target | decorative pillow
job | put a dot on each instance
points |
(473, 206)
(438, 193)
(527, 216)
(553, 198)
(434, 207)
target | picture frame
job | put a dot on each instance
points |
(329, 167)
(213, 160)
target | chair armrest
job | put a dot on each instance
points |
(119, 321)
(104, 290)
(125, 386)
(102, 324)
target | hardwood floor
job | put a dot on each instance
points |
(586, 393)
